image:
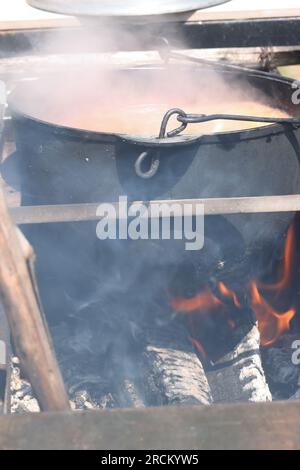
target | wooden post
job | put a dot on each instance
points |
(5, 370)
(28, 327)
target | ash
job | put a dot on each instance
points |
(283, 376)
(22, 397)
(89, 374)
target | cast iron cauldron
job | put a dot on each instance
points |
(65, 165)
(62, 165)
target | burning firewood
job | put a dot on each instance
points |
(173, 372)
(239, 375)
(281, 372)
(296, 395)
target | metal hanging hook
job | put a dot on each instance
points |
(155, 159)
(153, 167)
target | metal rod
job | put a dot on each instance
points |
(212, 206)
(36, 65)
(199, 118)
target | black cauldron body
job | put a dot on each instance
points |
(59, 165)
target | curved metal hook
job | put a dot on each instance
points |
(153, 167)
(155, 161)
(165, 121)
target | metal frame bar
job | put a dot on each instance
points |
(260, 32)
(212, 206)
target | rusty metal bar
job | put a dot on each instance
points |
(213, 206)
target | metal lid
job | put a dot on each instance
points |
(122, 8)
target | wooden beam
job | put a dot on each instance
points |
(27, 324)
(243, 426)
(5, 366)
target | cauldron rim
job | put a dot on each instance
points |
(153, 141)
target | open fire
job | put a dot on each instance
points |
(266, 300)
(119, 340)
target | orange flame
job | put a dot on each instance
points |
(199, 347)
(229, 293)
(204, 301)
(287, 264)
(271, 322)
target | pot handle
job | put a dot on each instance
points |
(184, 119)
(155, 160)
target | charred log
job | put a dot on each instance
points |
(126, 382)
(80, 365)
(281, 373)
(296, 395)
(98, 375)
(130, 395)
(239, 375)
(173, 373)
